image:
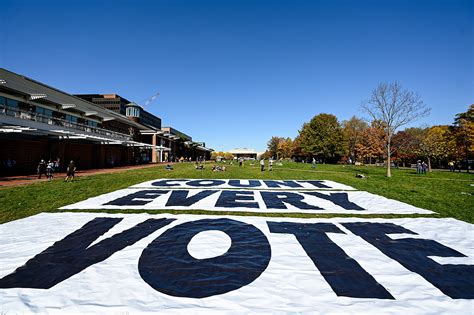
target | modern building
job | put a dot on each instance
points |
(151, 134)
(184, 146)
(38, 122)
(111, 102)
(168, 143)
(244, 153)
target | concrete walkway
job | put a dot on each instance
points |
(11, 181)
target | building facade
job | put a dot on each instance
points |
(169, 144)
(244, 153)
(38, 122)
(112, 102)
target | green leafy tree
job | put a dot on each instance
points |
(463, 130)
(435, 144)
(322, 137)
(272, 145)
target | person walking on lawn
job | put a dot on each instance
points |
(50, 170)
(70, 171)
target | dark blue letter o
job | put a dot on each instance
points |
(167, 266)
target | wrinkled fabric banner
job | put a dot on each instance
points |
(248, 201)
(109, 263)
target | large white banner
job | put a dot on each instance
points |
(177, 183)
(110, 263)
(248, 201)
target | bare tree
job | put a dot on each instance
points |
(394, 108)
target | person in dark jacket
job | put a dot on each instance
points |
(70, 171)
(41, 170)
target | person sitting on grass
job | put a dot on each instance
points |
(218, 168)
(70, 171)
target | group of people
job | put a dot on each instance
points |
(8, 166)
(453, 166)
(52, 166)
(421, 167)
(48, 168)
(200, 161)
(270, 164)
(218, 168)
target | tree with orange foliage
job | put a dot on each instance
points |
(372, 142)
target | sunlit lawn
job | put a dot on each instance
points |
(448, 194)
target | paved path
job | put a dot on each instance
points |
(31, 179)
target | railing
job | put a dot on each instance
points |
(27, 115)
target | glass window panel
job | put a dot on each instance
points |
(12, 103)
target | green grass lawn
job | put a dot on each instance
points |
(448, 194)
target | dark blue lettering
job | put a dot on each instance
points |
(234, 198)
(456, 281)
(345, 276)
(167, 266)
(179, 198)
(168, 182)
(72, 254)
(315, 183)
(278, 184)
(206, 183)
(139, 198)
(340, 199)
(238, 183)
(277, 199)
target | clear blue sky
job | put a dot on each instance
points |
(235, 73)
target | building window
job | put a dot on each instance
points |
(3, 100)
(12, 103)
(71, 118)
(133, 112)
(91, 123)
(44, 111)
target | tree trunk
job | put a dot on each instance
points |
(429, 164)
(389, 173)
